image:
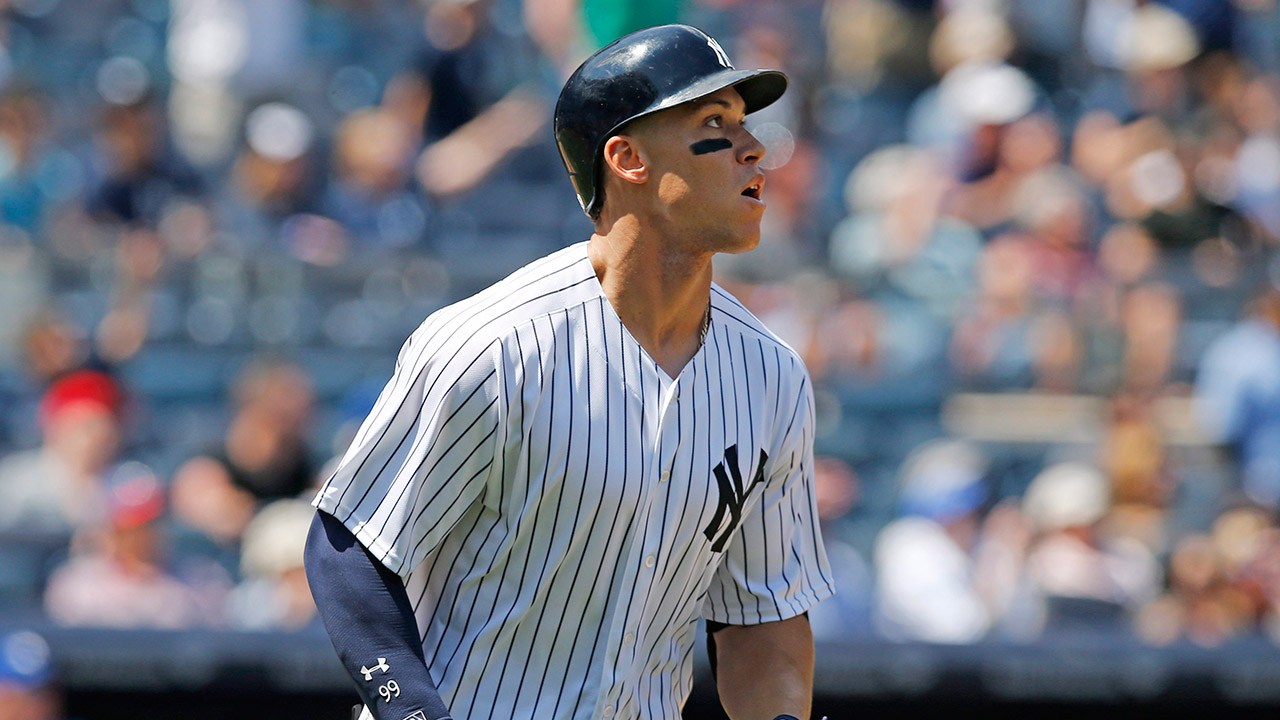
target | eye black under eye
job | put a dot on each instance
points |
(710, 145)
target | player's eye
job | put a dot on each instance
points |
(714, 121)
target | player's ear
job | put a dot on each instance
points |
(624, 157)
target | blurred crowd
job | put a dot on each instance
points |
(29, 689)
(220, 218)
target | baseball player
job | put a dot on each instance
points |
(569, 469)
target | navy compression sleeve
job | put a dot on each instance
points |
(370, 621)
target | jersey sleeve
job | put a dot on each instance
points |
(776, 566)
(423, 456)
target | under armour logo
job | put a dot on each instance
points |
(368, 672)
(732, 496)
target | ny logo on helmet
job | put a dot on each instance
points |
(732, 497)
(721, 55)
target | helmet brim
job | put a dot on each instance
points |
(758, 88)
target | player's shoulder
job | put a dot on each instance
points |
(555, 281)
(738, 319)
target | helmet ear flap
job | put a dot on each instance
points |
(638, 74)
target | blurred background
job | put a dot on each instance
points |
(1028, 249)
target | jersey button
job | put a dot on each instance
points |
(665, 476)
(608, 711)
(650, 561)
(628, 638)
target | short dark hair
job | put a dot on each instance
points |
(597, 207)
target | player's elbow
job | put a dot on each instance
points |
(314, 550)
(326, 539)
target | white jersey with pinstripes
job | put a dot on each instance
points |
(562, 512)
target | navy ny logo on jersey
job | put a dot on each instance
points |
(732, 496)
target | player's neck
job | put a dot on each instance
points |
(660, 294)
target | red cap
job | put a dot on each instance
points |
(82, 386)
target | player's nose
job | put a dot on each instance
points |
(750, 150)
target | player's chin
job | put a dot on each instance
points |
(746, 240)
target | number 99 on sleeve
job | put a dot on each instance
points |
(390, 690)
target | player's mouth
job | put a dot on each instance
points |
(754, 189)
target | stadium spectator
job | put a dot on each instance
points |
(1000, 568)
(29, 183)
(848, 615)
(897, 243)
(274, 592)
(926, 587)
(487, 97)
(971, 36)
(906, 269)
(1150, 317)
(370, 193)
(51, 347)
(1003, 186)
(1135, 457)
(1238, 394)
(1087, 579)
(1143, 49)
(1126, 257)
(117, 574)
(1203, 604)
(263, 456)
(47, 346)
(1249, 541)
(138, 174)
(28, 687)
(994, 341)
(273, 179)
(59, 486)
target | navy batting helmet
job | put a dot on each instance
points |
(639, 74)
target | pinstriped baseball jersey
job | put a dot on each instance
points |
(562, 512)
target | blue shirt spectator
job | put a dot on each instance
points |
(1238, 390)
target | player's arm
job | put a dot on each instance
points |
(765, 671)
(370, 620)
(772, 571)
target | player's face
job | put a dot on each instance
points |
(705, 165)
